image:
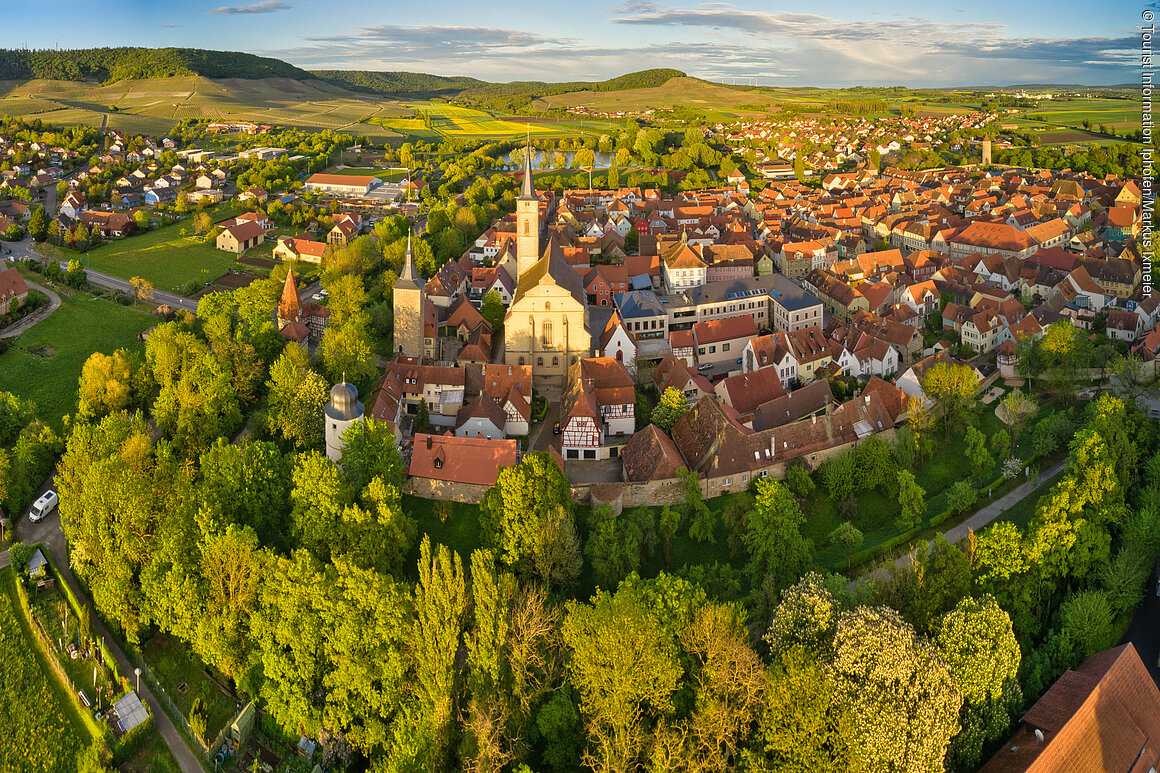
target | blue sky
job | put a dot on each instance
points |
(839, 43)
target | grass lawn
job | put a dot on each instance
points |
(176, 667)
(153, 757)
(81, 326)
(42, 731)
(168, 257)
(461, 531)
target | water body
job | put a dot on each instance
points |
(603, 160)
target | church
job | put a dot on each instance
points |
(546, 326)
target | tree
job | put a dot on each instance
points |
(776, 546)
(839, 476)
(142, 289)
(296, 397)
(528, 512)
(901, 697)
(1001, 443)
(978, 644)
(952, 387)
(848, 536)
(616, 544)
(440, 603)
(202, 223)
(702, 520)
(617, 701)
(672, 406)
(493, 309)
(977, 452)
(1087, 617)
(802, 728)
(198, 717)
(346, 352)
(109, 383)
(613, 174)
(961, 496)
(38, 224)
(911, 500)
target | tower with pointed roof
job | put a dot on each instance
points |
(527, 219)
(288, 308)
(408, 307)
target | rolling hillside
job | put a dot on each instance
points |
(679, 91)
(155, 105)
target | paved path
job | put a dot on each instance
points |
(976, 521)
(4, 559)
(48, 533)
(37, 316)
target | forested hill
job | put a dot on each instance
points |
(113, 64)
(504, 96)
(409, 84)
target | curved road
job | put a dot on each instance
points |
(37, 316)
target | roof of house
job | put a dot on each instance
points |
(246, 230)
(650, 455)
(726, 329)
(341, 179)
(461, 460)
(794, 405)
(1102, 716)
(11, 283)
(746, 391)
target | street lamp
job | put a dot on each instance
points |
(137, 671)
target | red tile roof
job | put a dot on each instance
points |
(461, 460)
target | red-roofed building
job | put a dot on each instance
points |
(13, 291)
(723, 340)
(1101, 717)
(474, 461)
(600, 402)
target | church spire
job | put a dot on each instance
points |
(288, 308)
(528, 191)
(409, 277)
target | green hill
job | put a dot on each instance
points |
(511, 97)
(107, 65)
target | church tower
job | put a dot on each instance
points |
(408, 308)
(288, 308)
(527, 219)
(342, 411)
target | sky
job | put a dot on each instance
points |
(839, 43)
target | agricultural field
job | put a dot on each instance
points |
(684, 92)
(41, 729)
(155, 105)
(455, 122)
(44, 363)
(1114, 113)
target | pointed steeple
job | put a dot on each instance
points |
(288, 308)
(409, 277)
(528, 191)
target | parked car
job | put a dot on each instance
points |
(43, 506)
(324, 292)
(556, 429)
(316, 297)
(704, 367)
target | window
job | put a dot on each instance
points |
(546, 332)
(555, 360)
(523, 361)
(712, 350)
(700, 350)
(725, 347)
(540, 361)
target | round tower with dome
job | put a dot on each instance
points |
(342, 410)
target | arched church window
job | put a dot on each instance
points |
(547, 305)
(546, 327)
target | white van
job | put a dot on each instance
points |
(43, 506)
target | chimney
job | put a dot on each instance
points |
(428, 442)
